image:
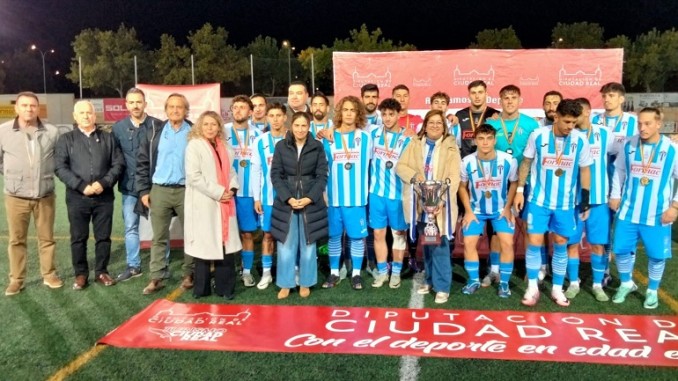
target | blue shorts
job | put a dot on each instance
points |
(541, 220)
(247, 217)
(265, 219)
(384, 212)
(657, 239)
(352, 219)
(597, 226)
(498, 225)
(526, 195)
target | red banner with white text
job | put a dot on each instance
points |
(574, 72)
(114, 109)
(497, 335)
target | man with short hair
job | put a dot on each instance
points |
(643, 197)
(297, 96)
(385, 193)
(27, 165)
(160, 180)
(129, 133)
(259, 109)
(401, 93)
(473, 116)
(513, 130)
(369, 94)
(597, 226)
(320, 112)
(623, 126)
(262, 188)
(89, 162)
(488, 185)
(440, 101)
(549, 104)
(240, 135)
(348, 156)
(558, 156)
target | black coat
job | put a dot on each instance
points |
(292, 177)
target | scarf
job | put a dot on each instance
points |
(223, 178)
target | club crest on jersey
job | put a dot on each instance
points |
(597, 135)
(662, 155)
(500, 169)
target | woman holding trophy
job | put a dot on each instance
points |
(431, 165)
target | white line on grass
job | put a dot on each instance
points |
(409, 365)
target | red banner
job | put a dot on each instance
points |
(575, 73)
(503, 335)
(114, 109)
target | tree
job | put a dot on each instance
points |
(497, 39)
(215, 60)
(269, 76)
(580, 35)
(653, 59)
(108, 59)
(358, 41)
(172, 62)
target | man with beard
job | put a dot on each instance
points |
(128, 133)
(240, 135)
(319, 108)
(549, 104)
(258, 119)
(370, 97)
(473, 116)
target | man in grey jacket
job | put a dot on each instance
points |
(27, 164)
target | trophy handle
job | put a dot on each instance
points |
(446, 185)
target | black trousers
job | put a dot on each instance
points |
(224, 277)
(82, 211)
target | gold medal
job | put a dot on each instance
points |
(348, 166)
(646, 166)
(644, 181)
(389, 164)
(243, 163)
(559, 172)
(488, 194)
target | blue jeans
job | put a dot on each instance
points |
(131, 220)
(132, 241)
(438, 265)
(287, 257)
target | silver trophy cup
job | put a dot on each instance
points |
(430, 193)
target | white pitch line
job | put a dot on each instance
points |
(409, 365)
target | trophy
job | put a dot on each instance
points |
(430, 193)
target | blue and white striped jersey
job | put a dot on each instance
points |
(348, 158)
(374, 119)
(601, 145)
(643, 179)
(623, 128)
(242, 143)
(315, 126)
(491, 176)
(260, 181)
(555, 167)
(384, 181)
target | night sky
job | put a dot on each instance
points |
(428, 24)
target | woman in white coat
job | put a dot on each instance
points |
(210, 224)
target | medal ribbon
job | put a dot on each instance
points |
(237, 139)
(513, 133)
(644, 166)
(559, 157)
(344, 145)
(480, 120)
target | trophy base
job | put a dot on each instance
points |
(429, 240)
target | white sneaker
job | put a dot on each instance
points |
(266, 279)
(248, 280)
(395, 281)
(379, 280)
(489, 279)
(343, 272)
(441, 297)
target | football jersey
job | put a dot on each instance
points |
(516, 130)
(260, 126)
(623, 128)
(242, 142)
(488, 178)
(348, 159)
(260, 181)
(315, 127)
(644, 179)
(384, 181)
(601, 145)
(410, 121)
(555, 167)
(374, 119)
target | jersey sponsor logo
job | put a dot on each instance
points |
(653, 171)
(346, 156)
(243, 153)
(383, 154)
(595, 152)
(550, 162)
(488, 184)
